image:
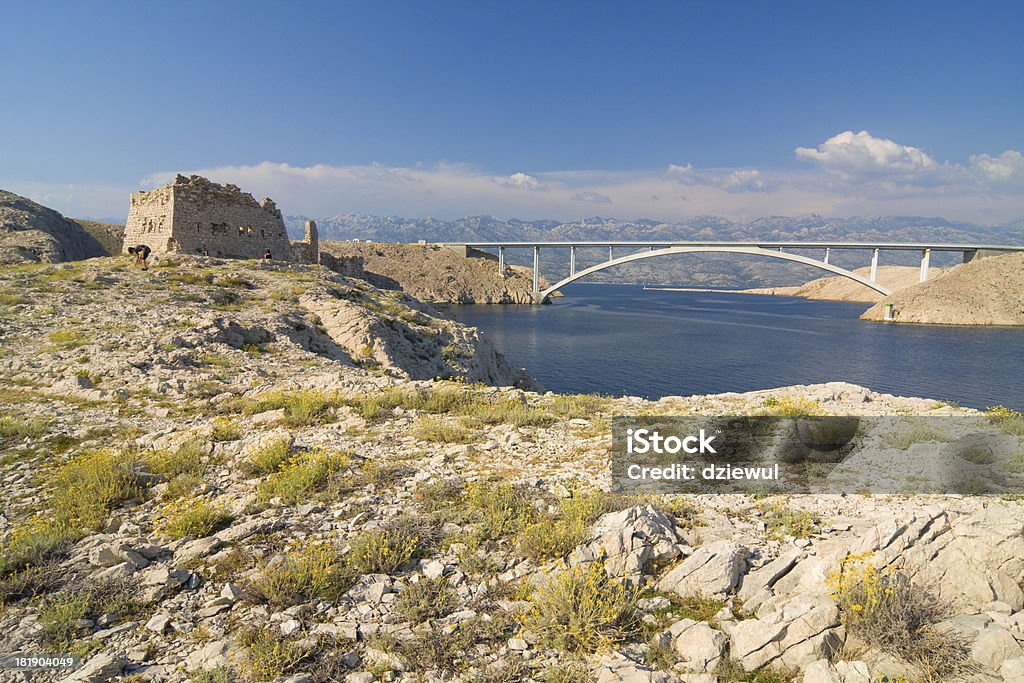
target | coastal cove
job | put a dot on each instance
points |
(624, 340)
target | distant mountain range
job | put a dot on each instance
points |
(702, 270)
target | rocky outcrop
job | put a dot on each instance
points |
(436, 274)
(986, 291)
(32, 233)
(840, 288)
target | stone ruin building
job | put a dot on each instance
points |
(194, 215)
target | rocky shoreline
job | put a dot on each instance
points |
(219, 471)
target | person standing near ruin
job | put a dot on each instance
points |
(142, 253)
(267, 256)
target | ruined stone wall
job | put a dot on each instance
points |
(193, 215)
(150, 219)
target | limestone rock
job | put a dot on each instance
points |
(699, 646)
(98, 669)
(617, 669)
(32, 233)
(628, 541)
(713, 570)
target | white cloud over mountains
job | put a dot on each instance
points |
(847, 174)
(862, 152)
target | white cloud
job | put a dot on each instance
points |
(747, 180)
(853, 174)
(521, 181)
(1008, 165)
(862, 152)
(592, 197)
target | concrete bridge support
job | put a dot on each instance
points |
(926, 255)
(874, 266)
(501, 261)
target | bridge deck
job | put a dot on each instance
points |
(762, 245)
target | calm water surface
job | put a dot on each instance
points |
(621, 339)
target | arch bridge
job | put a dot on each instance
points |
(776, 250)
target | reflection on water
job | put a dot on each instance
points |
(621, 339)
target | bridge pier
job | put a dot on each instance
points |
(874, 265)
(536, 271)
(827, 251)
(572, 260)
(610, 256)
(501, 261)
(925, 258)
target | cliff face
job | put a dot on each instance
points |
(988, 291)
(32, 233)
(432, 273)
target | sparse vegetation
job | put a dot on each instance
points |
(271, 656)
(1008, 421)
(304, 474)
(426, 599)
(437, 430)
(582, 610)
(269, 457)
(225, 429)
(195, 518)
(791, 406)
(916, 432)
(885, 610)
(381, 551)
(782, 520)
(309, 570)
(14, 427)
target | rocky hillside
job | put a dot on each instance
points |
(210, 474)
(32, 233)
(839, 288)
(431, 273)
(987, 291)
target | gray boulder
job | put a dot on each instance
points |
(713, 570)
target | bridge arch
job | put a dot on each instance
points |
(752, 251)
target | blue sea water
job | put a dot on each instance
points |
(624, 340)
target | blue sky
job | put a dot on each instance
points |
(561, 110)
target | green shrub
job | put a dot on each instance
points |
(1008, 421)
(271, 656)
(225, 429)
(310, 570)
(269, 457)
(499, 509)
(566, 673)
(195, 518)
(187, 458)
(578, 405)
(917, 432)
(426, 599)
(556, 536)
(437, 430)
(303, 475)
(583, 610)
(14, 428)
(301, 407)
(60, 619)
(69, 339)
(219, 675)
(781, 521)
(86, 488)
(791, 406)
(381, 551)
(448, 651)
(885, 610)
